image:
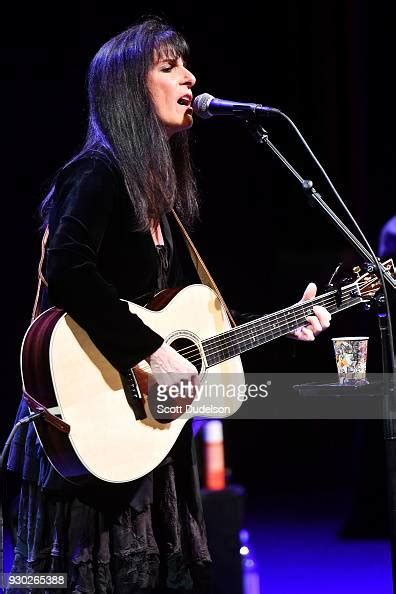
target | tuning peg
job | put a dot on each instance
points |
(369, 267)
(356, 270)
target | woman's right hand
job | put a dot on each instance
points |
(169, 367)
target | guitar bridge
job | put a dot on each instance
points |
(133, 396)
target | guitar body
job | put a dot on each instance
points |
(98, 425)
(109, 433)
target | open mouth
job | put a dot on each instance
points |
(185, 100)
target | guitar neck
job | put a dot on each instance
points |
(269, 327)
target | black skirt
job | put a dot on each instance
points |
(144, 536)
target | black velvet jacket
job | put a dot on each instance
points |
(96, 258)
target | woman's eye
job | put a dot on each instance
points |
(167, 68)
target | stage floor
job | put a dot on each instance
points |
(300, 548)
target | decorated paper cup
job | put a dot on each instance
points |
(351, 357)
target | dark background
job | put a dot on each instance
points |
(260, 238)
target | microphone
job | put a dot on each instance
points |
(206, 106)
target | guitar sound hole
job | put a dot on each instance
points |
(189, 350)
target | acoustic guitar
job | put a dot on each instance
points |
(99, 425)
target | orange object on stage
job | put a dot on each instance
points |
(214, 470)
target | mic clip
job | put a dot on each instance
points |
(258, 132)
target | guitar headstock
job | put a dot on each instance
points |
(369, 283)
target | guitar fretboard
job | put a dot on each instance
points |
(269, 327)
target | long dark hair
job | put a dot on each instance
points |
(124, 126)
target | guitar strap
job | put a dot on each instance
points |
(41, 279)
(202, 271)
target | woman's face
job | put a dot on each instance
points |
(169, 84)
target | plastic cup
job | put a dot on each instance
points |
(351, 358)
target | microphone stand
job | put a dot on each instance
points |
(385, 327)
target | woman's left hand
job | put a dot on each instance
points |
(320, 321)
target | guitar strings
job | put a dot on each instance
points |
(267, 321)
(194, 350)
(280, 330)
(325, 300)
(245, 329)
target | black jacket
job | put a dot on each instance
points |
(96, 257)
